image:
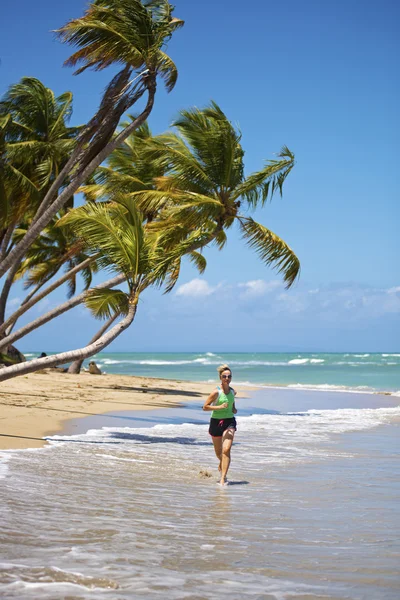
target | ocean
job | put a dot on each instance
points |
(127, 505)
(362, 371)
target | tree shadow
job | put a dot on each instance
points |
(151, 390)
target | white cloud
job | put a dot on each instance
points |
(254, 288)
(195, 289)
(342, 302)
(258, 287)
(292, 303)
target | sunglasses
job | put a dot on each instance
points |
(226, 376)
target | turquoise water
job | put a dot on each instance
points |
(346, 371)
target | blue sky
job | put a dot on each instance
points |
(318, 77)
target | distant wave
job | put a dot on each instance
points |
(206, 362)
(364, 389)
(386, 355)
(304, 361)
(318, 387)
(209, 361)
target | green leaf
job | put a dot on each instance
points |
(272, 250)
(103, 304)
(199, 261)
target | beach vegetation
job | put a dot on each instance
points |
(204, 187)
(129, 34)
(111, 32)
(150, 201)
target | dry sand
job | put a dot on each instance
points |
(38, 404)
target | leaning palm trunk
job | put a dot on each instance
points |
(5, 292)
(5, 241)
(72, 355)
(56, 312)
(26, 305)
(76, 366)
(17, 253)
(110, 96)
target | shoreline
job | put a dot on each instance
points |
(40, 404)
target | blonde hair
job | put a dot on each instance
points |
(223, 368)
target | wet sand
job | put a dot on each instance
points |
(39, 404)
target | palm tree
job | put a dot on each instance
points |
(126, 32)
(55, 312)
(39, 140)
(117, 233)
(206, 205)
(127, 169)
(36, 144)
(205, 190)
(54, 249)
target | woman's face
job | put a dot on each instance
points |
(226, 376)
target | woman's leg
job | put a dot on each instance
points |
(217, 441)
(227, 441)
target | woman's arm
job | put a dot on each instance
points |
(212, 398)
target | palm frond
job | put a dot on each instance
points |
(272, 250)
(105, 303)
(171, 276)
(220, 239)
(199, 261)
(260, 186)
(123, 31)
(112, 230)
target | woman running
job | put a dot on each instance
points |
(222, 423)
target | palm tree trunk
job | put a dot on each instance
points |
(5, 241)
(5, 293)
(20, 249)
(27, 305)
(65, 357)
(75, 367)
(115, 87)
(56, 312)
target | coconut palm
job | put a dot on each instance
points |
(118, 232)
(111, 32)
(39, 140)
(113, 231)
(54, 249)
(36, 144)
(126, 170)
(55, 312)
(205, 190)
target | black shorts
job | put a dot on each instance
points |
(218, 426)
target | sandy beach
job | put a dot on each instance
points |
(39, 404)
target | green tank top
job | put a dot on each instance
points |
(224, 413)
